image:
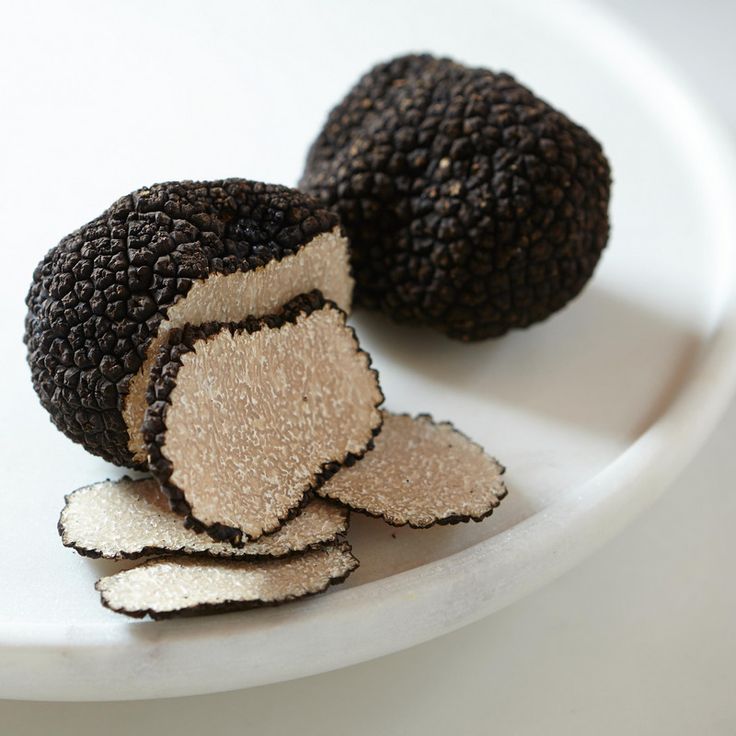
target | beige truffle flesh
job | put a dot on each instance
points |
(321, 264)
(245, 420)
(186, 586)
(420, 473)
(127, 519)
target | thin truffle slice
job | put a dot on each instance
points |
(127, 519)
(188, 586)
(245, 420)
(185, 252)
(420, 473)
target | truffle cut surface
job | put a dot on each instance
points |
(231, 297)
(420, 473)
(180, 586)
(245, 420)
(472, 206)
(126, 519)
(104, 298)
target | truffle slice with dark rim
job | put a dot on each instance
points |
(244, 420)
(127, 519)
(187, 586)
(103, 300)
(420, 473)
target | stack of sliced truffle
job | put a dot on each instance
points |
(197, 330)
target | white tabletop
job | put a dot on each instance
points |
(638, 640)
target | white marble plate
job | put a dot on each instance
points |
(593, 412)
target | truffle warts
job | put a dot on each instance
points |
(471, 205)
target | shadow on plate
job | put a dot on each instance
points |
(384, 550)
(584, 366)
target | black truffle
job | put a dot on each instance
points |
(245, 420)
(187, 586)
(103, 300)
(420, 473)
(471, 205)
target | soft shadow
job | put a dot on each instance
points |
(595, 364)
(384, 550)
(102, 568)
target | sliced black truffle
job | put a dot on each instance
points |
(186, 586)
(420, 473)
(103, 300)
(471, 205)
(244, 420)
(127, 519)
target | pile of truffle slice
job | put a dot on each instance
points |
(409, 477)
(259, 434)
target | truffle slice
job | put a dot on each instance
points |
(186, 586)
(472, 206)
(127, 519)
(103, 300)
(420, 473)
(245, 419)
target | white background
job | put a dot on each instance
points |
(640, 639)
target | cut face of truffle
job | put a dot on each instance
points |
(127, 519)
(244, 420)
(103, 300)
(185, 586)
(420, 473)
(471, 205)
(231, 297)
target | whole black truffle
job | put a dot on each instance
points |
(471, 205)
(104, 299)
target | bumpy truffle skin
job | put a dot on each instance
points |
(98, 297)
(471, 205)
